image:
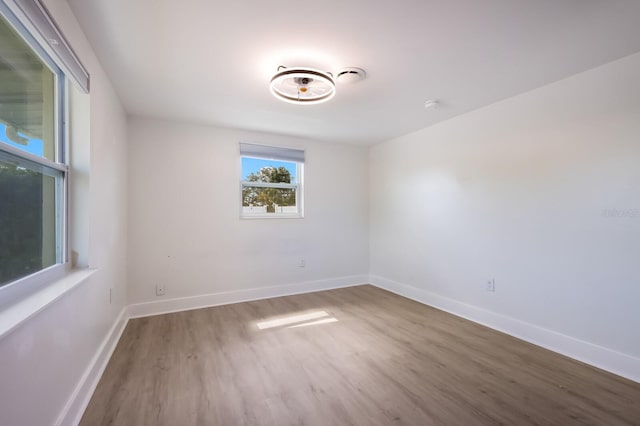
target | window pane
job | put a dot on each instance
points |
(29, 227)
(257, 200)
(259, 170)
(26, 97)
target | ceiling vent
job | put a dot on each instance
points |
(303, 85)
(351, 75)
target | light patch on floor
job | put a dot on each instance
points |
(322, 321)
(292, 319)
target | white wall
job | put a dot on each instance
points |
(517, 191)
(185, 229)
(43, 361)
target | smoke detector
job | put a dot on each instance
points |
(431, 103)
(303, 86)
(351, 75)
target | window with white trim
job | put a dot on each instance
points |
(271, 181)
(35, 60)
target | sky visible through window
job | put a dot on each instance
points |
(34, 146)
(253, 165)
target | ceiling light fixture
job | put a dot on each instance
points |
(303, 85)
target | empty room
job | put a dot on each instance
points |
(341, 213)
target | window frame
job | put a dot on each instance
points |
(298, 186)
(57, 168)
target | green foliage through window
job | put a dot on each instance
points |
(21, 216)
(271, 198)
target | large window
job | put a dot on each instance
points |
(33, 168)
(271, 181)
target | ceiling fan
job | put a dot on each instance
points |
(302, 85)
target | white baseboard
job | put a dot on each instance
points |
(237, 296)
(597, 356)
(77, 403)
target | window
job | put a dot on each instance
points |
(33, 161)
(271, 181)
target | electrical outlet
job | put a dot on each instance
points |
(491, 285)
(160, 290)
(302, 263)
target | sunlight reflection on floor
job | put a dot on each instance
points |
(298, 320)
(322, 321)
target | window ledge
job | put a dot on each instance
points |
(273, 216)
(17, 313)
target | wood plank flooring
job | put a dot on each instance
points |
(354, 356)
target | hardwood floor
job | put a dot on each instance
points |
(354, 356)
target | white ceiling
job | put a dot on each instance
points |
(210, 61)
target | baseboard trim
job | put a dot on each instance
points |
(224, 298)
(597, 356)
(79, 400)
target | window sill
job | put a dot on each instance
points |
(11, 317)
(273, 216)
